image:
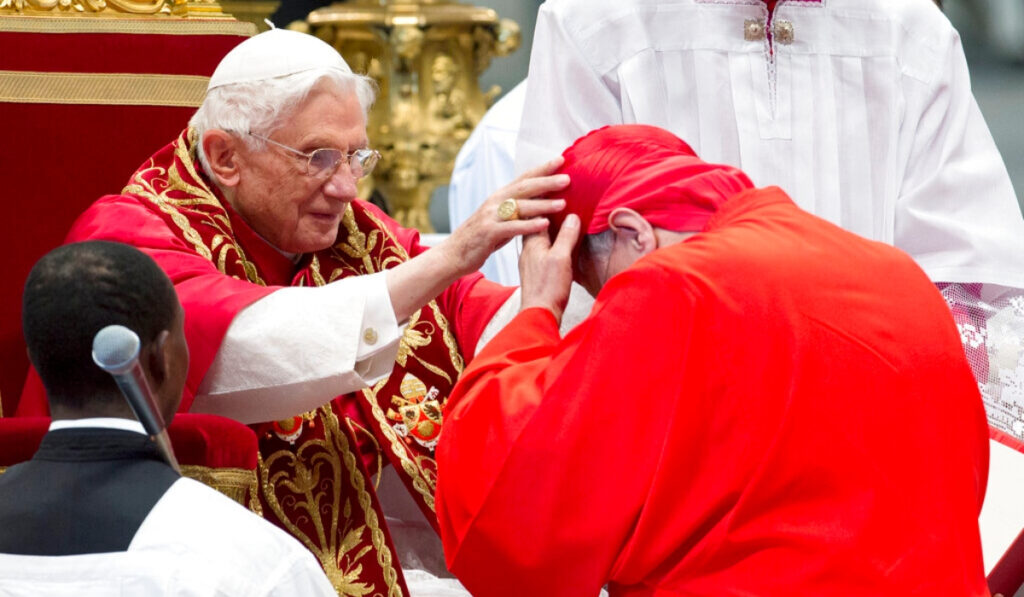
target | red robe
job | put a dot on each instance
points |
(773, 407)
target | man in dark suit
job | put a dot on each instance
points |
(97, 501)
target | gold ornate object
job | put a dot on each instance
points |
(239, 484)
(114, 8)
(508, 210)
(252, 11)
(753, 30)
(427, 57)
(85, 7)
(783, 32)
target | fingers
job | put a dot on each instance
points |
(567, 235)
(537, 242)
(533, 187)
(543, 170)
(522, 227)
(532, 208)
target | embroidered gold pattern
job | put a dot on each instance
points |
(360, 431)
(425, 478)
(160, 187)
(312, 476)
(236, 483)
(442, 321)
(374, 257)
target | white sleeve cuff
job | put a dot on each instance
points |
(297, 348)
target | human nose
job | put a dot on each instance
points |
(341, 184)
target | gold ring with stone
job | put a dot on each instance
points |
(508, 210)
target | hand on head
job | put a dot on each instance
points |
(485, 231)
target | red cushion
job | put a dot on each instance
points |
(213, 441)
(20, 437)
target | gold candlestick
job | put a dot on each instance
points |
(427, 57)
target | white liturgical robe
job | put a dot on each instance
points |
(195, 542)
(486, 163)
(861, 109)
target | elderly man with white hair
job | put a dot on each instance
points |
(308, 313)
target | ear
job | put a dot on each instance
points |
(630, 227)
(159, 360)
(221, 150)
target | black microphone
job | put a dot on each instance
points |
(115, 349)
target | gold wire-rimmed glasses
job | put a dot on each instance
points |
(324, 162)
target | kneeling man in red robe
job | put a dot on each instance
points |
(760, 403)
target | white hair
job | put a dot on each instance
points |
(262, 107)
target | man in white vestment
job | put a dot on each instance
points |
(97, 511)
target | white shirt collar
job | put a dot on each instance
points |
(101, 422)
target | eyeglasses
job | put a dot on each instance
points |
(323, 163)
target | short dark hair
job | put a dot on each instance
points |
(75, 291)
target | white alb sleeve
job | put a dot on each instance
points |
(297, 348)
(957, 214)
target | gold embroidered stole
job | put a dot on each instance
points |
(403, 411)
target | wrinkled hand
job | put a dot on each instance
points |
(484, 232)
(546, 268)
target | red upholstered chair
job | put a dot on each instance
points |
(85, 99)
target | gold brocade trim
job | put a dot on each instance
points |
(145, 26)
(3, 469)
(449, 338)
(357, 430)
(398, 447)
(223, 242)
(105, 89)
(236, 483)
(303, 483)
(359, 245)
(384, 557)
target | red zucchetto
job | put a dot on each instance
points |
(646, 169)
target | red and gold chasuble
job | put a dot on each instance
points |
(316, 470)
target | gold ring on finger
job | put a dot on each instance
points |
(508, 210)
